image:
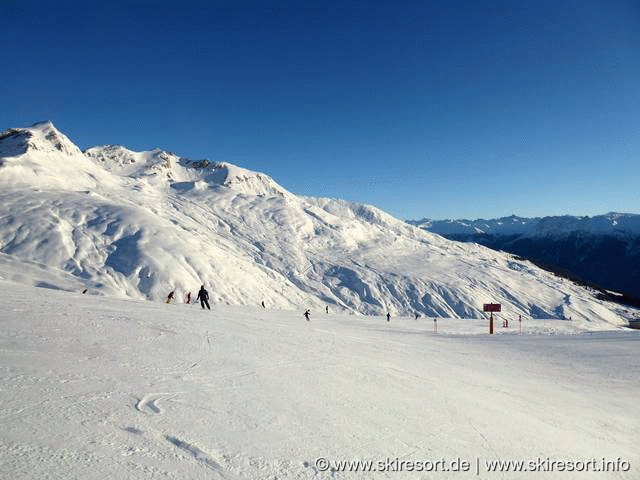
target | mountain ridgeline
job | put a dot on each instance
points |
(602, 251)
(142, 224)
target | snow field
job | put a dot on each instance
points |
(97, 387)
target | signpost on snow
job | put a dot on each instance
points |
(491, 307)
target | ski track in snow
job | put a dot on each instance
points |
(198, 454)
(149, 403)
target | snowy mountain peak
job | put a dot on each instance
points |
(245, 181)
(45, 137)
(124, 162)
(42, 156)
(180, 172)
(41, 137)
(37, 150)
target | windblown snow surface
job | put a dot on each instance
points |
(99, 387)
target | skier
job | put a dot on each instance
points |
(388, 316)
(203, 296)
(170, 296)
(263, 304)
(189, 297)
(306, 315)
(327, 308)
(417, 316)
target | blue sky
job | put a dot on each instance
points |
(425, 109)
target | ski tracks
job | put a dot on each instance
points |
(185, 449)
(151, 404)
(199, 455)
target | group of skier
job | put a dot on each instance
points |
(203, 297)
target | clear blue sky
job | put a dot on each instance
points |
(426, 109)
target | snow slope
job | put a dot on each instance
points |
(100, 387)
(141, 224)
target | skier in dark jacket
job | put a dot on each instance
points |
(306, 315)
(203, 296)
(170, 297)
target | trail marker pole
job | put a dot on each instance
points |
(491, 307)
(435, 323)
(520, 322)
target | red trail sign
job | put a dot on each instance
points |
(492, 307)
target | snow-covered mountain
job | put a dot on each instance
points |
(603, 250)
(141, 224)
(612, 223)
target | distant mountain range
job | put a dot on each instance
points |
(602, 250)
(143, 224)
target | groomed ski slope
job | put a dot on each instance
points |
(97, 387)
